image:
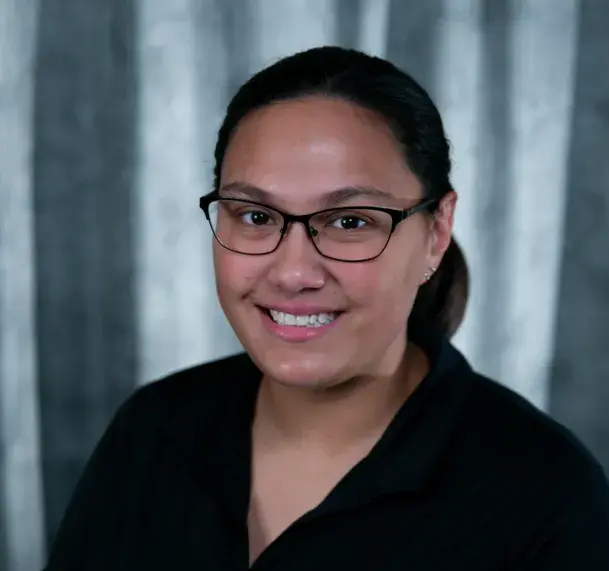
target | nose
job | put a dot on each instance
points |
(296, 265)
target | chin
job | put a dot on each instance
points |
(299, 368)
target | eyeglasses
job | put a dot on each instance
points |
(345, 234)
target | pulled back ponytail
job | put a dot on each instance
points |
(441, 302)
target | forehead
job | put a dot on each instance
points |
(298, 150)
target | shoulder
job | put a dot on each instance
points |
(533, 475)
(512, 434)
(187, 399)
(207, 380)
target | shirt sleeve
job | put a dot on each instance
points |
(87, 527)
(581, 541)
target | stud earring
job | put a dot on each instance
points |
(429, 273)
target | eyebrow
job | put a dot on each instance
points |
(329, 199)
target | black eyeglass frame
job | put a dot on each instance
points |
(397, 216)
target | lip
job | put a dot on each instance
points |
(295, 333)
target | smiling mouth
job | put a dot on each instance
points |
(310, 320)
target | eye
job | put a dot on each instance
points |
(255, 217)
(348, 222)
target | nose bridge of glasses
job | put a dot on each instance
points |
(304, 219)
(297, 243)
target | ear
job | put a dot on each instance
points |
(441, 228)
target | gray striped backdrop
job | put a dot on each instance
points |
(108, 112)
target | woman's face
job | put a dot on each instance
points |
(293, 155)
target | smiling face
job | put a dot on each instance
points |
(329, 321)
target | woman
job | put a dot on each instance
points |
(351, 434)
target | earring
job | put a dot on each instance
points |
(429, 273)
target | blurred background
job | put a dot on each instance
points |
(108, 116)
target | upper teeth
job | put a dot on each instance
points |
(316, 320)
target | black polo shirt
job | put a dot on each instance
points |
(468, 476)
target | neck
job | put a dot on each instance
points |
(332, 419)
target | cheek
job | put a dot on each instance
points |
(235, 274)
(386, 288)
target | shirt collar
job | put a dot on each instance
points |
(411, 450)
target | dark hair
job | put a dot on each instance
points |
(377, 85)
